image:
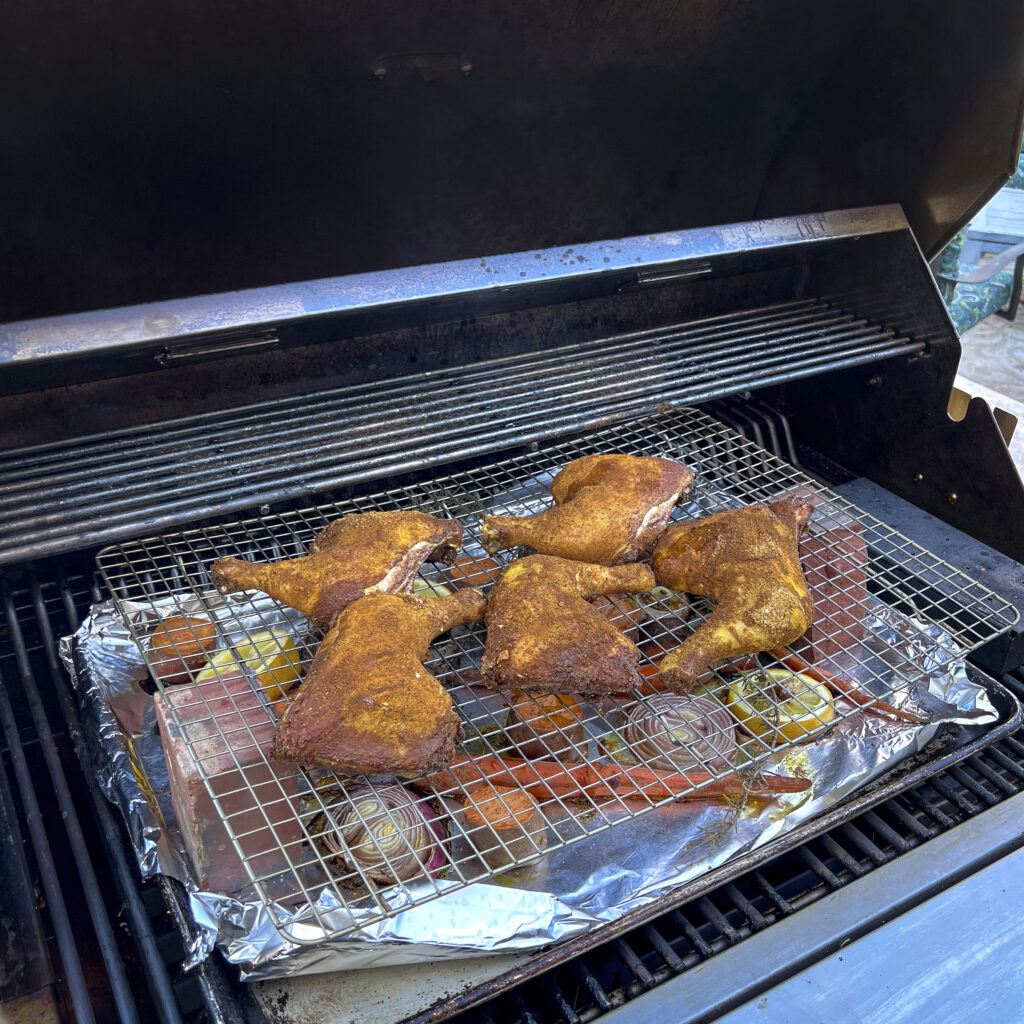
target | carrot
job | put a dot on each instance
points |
(546, 779)
(846, 688)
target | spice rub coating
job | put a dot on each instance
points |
(609, 509)
(359, 554)
(367, 703)
(747, 561)
(543, 634)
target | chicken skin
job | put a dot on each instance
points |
(747, 561)
(609, 509)
(544, 636)
(359, 554)
(367, 703)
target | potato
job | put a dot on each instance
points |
(179, 645)
(546, 725)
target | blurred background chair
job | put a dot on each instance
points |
(973, 290)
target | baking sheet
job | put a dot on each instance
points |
(563, 894)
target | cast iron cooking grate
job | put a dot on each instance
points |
(271, 812)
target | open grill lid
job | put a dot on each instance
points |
(201, 150)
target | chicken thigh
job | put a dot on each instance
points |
(359, 554)
(609, 509)
(544, 636)
(747, 561)
(367, 703)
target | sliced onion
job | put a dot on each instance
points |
(386, 832)
(702, 724)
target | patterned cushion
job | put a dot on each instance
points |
(971, 303)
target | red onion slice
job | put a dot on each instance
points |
(705, 728)
(386, 832)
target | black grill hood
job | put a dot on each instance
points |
(194, 148)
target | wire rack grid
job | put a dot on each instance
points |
(328, 853)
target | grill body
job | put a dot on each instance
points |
(821, 337)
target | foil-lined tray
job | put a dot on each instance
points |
(561, 895)
(329, 856)
(910, 652)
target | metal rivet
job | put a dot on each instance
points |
(918, 477)
(466, 68)
(952, 497)
(875, 381)
(379, 72)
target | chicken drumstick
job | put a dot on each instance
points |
(543, 635)
(359, 554)
(609, 509)
(746, 559)
(367, 703)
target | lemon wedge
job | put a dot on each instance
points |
(782, 707)
(270, 654)
(421, 588)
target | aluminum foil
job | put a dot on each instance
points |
(566, 892)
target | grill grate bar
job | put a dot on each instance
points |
(65, 935)
(931, 807)
(909, 820)
(961, 800)
(693, 936)
(891, 836)
(863, 843)
(848, 861)
(569, 1015)
(665, 951)
(974, 785)
(819, 867)
(157, 977)
(634, 963)
(753, 915)
(777, 900)
(58, 498)
(282, 415)
(76, 838)
(717, 918)
(1007, 762)
(592, 984)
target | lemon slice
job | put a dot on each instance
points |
(421, 588)
(782, 707)
(270, 654)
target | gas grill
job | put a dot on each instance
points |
(444, 350)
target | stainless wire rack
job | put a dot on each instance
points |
(328, 854)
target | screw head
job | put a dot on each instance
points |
(379, 72)
(952, 497)
(875, 381)
(918, 477)
(465, 67)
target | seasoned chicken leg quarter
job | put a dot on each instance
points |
(359, 554)
(543, 635)
(367, 703)
(609, 509)
(746, 559)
